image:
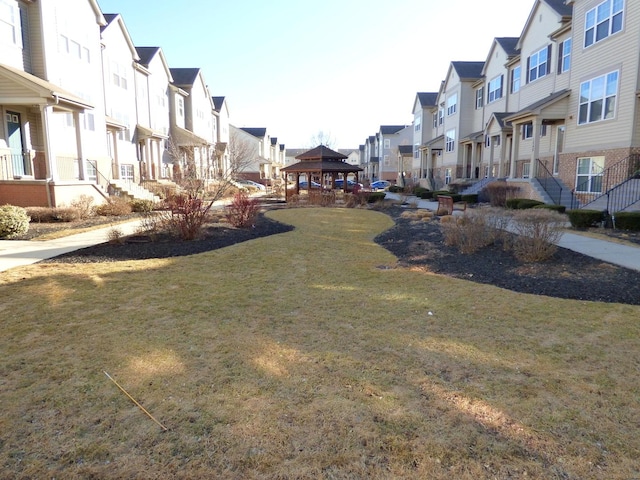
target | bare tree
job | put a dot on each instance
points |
(322, 138)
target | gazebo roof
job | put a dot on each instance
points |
(322, 159)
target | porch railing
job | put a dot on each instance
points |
(557, 191)
(14, 166)
(614, 188)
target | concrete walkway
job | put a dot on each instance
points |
(16, 253)
(608, 251)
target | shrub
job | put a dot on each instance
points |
(395, 189)
(584, 218)
(84, 206)
(52, 214)
(469, 232)
(499, 192)
(242, 211)
(537, 231)
(627, 220)
(114, 207)
(14, 221)
(441, 192)
(139, 205)
(470, 198)
(550, 206)
(154, 223)
(418, 191)
(188, 215)
(522, 203)
(375, 197)
(426, 195)
(115, 235)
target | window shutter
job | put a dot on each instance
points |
(549, 60)
(560, 55)
(501, 85)
(527, 75)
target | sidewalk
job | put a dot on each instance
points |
(608, 251)
(16, 253)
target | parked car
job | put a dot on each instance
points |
(350, 184)
(304, 184)
(380, 185)
(249, 184)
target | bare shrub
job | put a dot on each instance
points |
(322, 198)
(53, 214)
(154, 223)
(67, 214)
(469, 232)
(115, 235)
(499, 192)
(188, 215)
(242, 211)
(537, 231)
(114, 207)
(84, 206)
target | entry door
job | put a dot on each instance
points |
(559, 148)
(15, 143)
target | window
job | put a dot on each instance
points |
(417, 123)
(495, 89)
(538, 64)
(598, 98)
(447, 176)
(387, 143)
(180, 107)
(440, 116)
(589, 174)
(526, 170)
(416, 150)
(452, 104)
(88, 121)
(450, 143)
(515, 79)
(119, 76)
(435, 120)
(9, 23)
(602, 21)
(386, 161)
(126, 172)
(91, 170)
(479, 98)
(527, 131)
(564, 56)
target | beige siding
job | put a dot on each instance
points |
(618, 52)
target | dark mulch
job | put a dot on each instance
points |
(417, 244)
(567, 274)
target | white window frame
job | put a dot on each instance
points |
(494, 90)
(435, 120)
(386, 160)
(450, 141)
(589, 174)
(479, 98)
(526, 170)
(417, 123)
(452, 104)
(602, 21)
(416, 150)
(598, 98)
(527, 131)
(387, 143)
(516, 79)
(10, 22)
(538, 62)
(440, 116)
(447, 176)
(564, 56)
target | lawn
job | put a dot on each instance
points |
(307, 355)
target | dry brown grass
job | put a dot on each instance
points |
(299, 356)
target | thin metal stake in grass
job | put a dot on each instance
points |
(134, 401)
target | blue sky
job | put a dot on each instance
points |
(298, 67)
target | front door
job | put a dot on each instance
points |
(559, 148)
(16, 146)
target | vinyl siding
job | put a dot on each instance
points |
(617, 52)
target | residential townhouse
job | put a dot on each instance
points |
(252, 149)
(423, 106)
(52, 137)
(370, 161)
(388, 139)
(222, 130)
(152, 130)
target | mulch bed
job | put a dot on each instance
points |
(417, 244)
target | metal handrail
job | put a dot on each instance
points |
(552, 186)
(617, 185)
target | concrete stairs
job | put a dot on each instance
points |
(624, 197)
(132, 190)
(555, 193)
(477, 186)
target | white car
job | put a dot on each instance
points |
(250, 184)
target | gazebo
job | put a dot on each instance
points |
(320, 162)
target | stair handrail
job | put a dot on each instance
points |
(614, 178)
(546, 179)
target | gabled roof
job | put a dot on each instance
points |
(109, 17)
(184, 77)
(347, 151)
(405, 150)
(116, 18)
(428, 99)
(500, 118)
(535, 107)
(274, 140)
(217, 103)
(390, 129)
(560, 7)
(256, 132)
(468, 70)
(508, 44)
(146, 54)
